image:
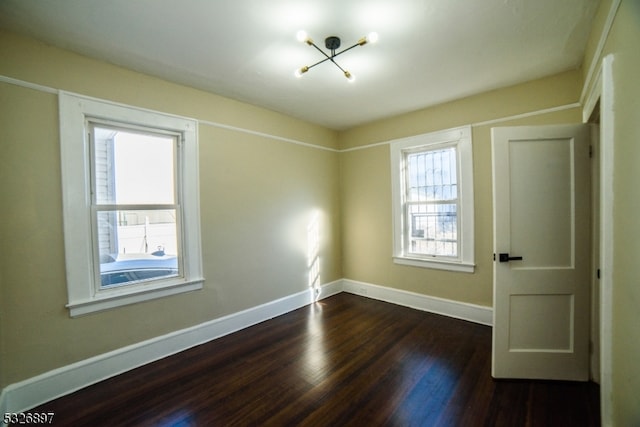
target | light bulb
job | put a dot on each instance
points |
(349, 76)
(302, 36)
(372, 37)
(300, 71)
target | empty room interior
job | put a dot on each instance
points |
(419, 212)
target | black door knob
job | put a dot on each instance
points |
(507, 258)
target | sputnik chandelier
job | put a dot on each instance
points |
(332, 43)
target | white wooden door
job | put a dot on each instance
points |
(541, 194)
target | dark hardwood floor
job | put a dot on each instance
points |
(346, 360)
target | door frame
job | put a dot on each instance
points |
(602, 90)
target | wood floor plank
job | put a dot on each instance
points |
(344, 361)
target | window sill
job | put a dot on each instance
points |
(101, 303)
(437, 265)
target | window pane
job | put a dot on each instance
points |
(432, 175)
(433, 229)
(137, 245)
(133, 167)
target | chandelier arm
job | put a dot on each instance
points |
(321, 51)
(336, 64)
(319, 62)
(333, 55)
(330, 58)
(343, 51)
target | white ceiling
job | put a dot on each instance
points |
(429, 51)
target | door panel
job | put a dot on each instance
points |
(540, 194)
(542, 214)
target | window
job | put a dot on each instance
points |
(131, 210)
(133, 198)
(432, 191)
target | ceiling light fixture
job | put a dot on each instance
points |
(332, 43)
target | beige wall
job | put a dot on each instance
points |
(366, 184)
(258, 196)
(623, 43)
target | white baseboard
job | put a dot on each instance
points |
(50, 385)
(459, 310)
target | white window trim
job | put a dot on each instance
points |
(76, 191)
(461, 138)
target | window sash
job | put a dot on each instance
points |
(152, 239)
(431, 173)
(435, 237)
(430, 177)
(99, 206)
(93, 123)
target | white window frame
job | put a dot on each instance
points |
(460, 138)
(84, 296)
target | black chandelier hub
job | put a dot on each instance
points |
(332, 43)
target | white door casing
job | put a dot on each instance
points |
(541, 191)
